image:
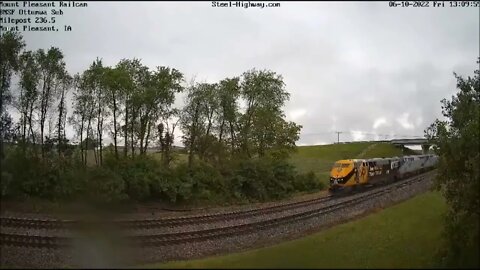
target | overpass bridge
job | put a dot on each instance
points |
(423, 142)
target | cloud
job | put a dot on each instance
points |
(403, 121)
(346, 64)
(295, 115)
(358, 135)
(378, 122)
(319, 143)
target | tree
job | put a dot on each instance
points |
(90, 80)
(100, 96)
(165, 138)
(52, 68)
(210, 119)
(228, 94)
(11, 43)
(456, 140)
(279, 138)
(89, 143)
(265, 96)
(83, 107)
(90, 100)
(209, 95)
(192, 119)
(78, 115)
(9, 129)
(116, 81)
(134, 69)
(157, 96)
(65, 84)
(29, 80)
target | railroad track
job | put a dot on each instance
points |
(156, 223)
(214, 233)
(55, 224)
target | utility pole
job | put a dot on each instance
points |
(338, 136)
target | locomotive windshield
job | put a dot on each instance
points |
(341, 165)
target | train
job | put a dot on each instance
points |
(354, 173)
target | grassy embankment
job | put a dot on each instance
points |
(407, 235)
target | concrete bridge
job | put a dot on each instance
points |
(423, 142)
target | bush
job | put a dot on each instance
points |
(137, 173)
(308, 182)
(5, 185)
(183, 183)
(207, 181)
(144, 178)
(263, 179)
(66, 179)
(23, 169)
(105, 185)
(164, 184)
(202, 181)
(250, 178)
(284, 178)
(53, 177)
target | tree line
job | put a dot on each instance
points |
(132, 105)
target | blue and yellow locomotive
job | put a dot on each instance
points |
(351, 173)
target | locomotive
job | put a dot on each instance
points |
(353, 173)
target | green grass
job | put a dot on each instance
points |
(407, 235)
(385, 150)
(320, 158)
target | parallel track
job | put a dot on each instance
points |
(53, 224)
(205, 234)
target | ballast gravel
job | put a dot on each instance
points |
(101, 249)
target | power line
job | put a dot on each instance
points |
(338, 136)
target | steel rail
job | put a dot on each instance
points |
(55, 224)
(205, 234)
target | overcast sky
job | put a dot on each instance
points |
(361, 68)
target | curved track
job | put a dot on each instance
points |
(202, 234)
(160, 222)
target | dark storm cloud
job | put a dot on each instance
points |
(356, 67)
